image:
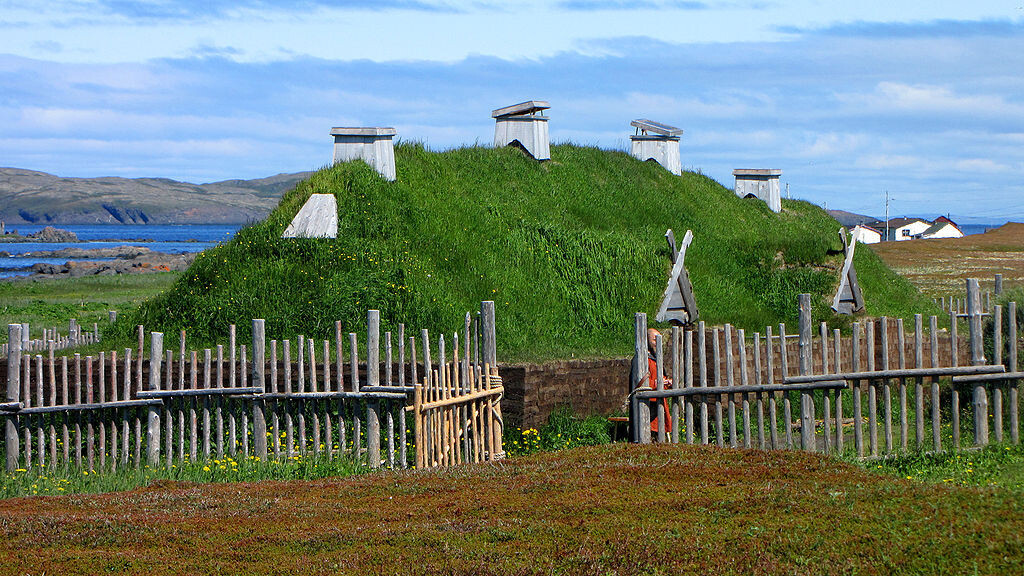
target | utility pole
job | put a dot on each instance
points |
(887, 215)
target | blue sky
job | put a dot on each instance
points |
(923, 99)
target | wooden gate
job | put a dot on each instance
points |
(457, 407)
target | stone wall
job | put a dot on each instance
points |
(533, 391)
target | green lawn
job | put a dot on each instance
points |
(49, 303)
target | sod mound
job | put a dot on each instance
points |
(568, 249)
(612, 509)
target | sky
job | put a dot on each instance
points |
(851, 100)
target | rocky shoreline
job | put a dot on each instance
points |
(47, 234)
(122, 260)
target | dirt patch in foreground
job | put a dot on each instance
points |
(613, 509)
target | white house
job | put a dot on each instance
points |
(867, 235)
(907, 228)
(942, 228)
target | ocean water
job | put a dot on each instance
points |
(170, 239)
(968, 229)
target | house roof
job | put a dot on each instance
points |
(944, 219)
(934, 228)
(901, 222)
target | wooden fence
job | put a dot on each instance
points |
(958, 303)
(906, 405)
(55, 339)
(282, 401)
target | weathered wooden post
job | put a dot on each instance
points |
(372, 380)
(659, 356)
(1011, 336)
(999, 285)
(490, 353)
(259, 359)
(418, 433)
(429, 390)
(933, 334)
(11, 443)
(156, 354)
(640, 413)
(807, 437)
(980, 396)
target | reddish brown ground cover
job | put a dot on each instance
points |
(939, 267)
(612, 509)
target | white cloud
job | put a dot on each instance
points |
(890, 162)
(896, 97)
(982, 165)
(833, 144)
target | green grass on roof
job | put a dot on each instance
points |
(568, 249)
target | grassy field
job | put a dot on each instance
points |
(568, 249)
(939, 267)
(610, 509)
(50, 303)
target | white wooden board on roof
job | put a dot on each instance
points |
(363, 131)
(528, 107)
(650, 126)
(318, 218)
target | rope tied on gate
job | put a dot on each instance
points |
(496, 406)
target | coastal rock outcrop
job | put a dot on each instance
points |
(145, 263)
(51, 234)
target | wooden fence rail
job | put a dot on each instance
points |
(905, 405)
(276, 400)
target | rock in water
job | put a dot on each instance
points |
(51, 234)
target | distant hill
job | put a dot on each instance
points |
(29, 197)
(849, 219)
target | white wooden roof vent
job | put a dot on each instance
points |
(658, 142)
(763, 184)
(525, 124)
(375, 146)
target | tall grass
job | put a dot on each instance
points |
(568, 249)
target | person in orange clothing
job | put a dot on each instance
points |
(652, 381)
